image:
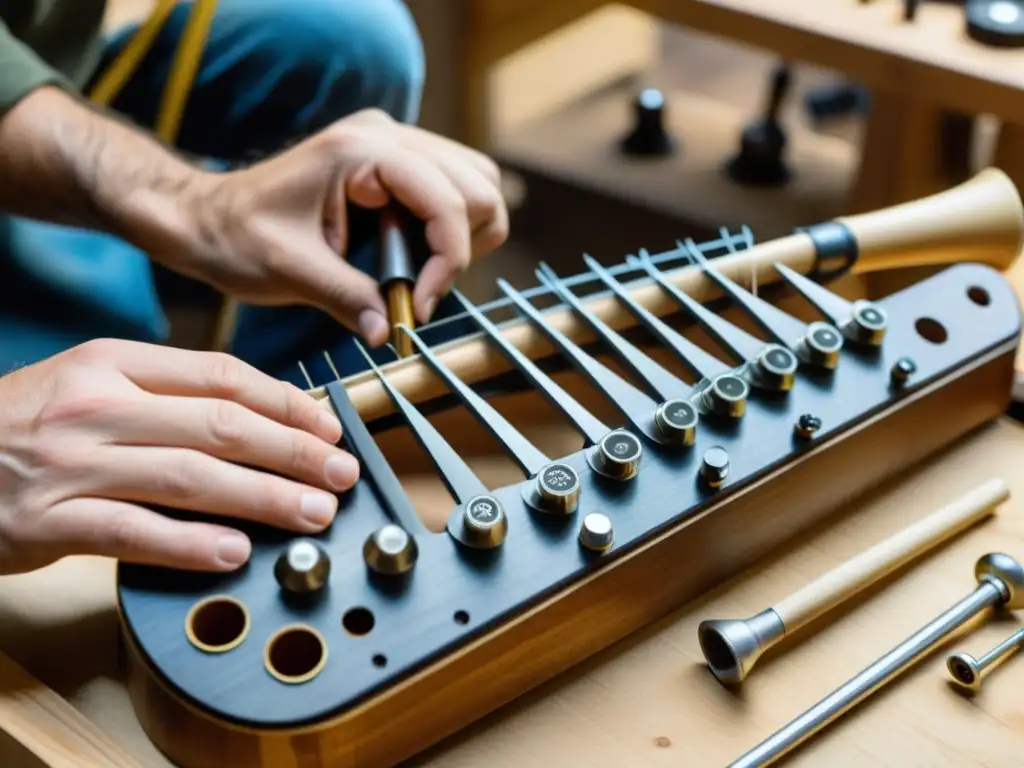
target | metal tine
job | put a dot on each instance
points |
(636, 405)
(306, 376)
(782, 327)
(831, 305)
(529, 458)
(737, 341)
(592, 428)
(663, 382)
(728, 241)
(396, 503)
(461, 481)
(701, 363)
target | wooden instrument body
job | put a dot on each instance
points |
(470, 631)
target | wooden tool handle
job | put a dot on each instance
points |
(981, 220)
(868, 567)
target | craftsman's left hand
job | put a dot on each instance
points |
(276, 232)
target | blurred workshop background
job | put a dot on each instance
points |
(633, 125)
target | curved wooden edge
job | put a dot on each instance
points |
(48, 729)
(981, 220)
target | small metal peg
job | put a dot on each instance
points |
(390, 550)
(807, 425)
(714, 466)
(596, 532)
(902, 370)
(303, 567)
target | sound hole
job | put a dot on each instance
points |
(978, 295)
(295, 654)
(217, 624)
(931, 330)
(358, 621)
(461, 617)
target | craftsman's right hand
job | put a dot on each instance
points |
(276, 233)
(89, 436)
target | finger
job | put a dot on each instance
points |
(491, 235)
(422, 187)
(432, 142)
(483, 199)
(181, 478)
(190, 373)
(232, 432)
(93, 526)
(328, 282)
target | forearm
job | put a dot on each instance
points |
(61, 160)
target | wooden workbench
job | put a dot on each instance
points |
(647, 701)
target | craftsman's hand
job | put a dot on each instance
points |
(89, 435)
(278, 229)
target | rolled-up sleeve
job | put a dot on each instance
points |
(22, 71)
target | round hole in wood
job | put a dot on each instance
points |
(931, 330)
(358, 621)
(461, 617)
(380, 660)
(978, 295)
(295, 654)
(217, 624)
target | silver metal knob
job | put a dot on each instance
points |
(390, 550)
(618, 455)
(677, 421)
(303, 567)
(558, 489)
(596, 532)
(484, 524)
(776, 366)
(824, 343)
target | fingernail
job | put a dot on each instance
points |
(428, 307)
(329, 426)
(233, 549)
(317, 508)
(342, 471)
(373, 325)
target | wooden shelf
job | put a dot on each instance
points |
(577, 144)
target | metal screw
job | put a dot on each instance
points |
(967, 670)
(807, 425)
(902, 370)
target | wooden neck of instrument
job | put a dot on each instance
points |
(981, 220)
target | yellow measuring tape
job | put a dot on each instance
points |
(175, 95)
(183, 67)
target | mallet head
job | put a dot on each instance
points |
(965, 670)
(732, 646)
(1008, 571)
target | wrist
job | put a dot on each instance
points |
(166, 218)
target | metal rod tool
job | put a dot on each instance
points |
(1000, 583)
(967, 670)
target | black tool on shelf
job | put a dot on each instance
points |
(761, 159)
(999, 23)
(648, 137)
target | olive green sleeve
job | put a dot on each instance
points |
(22, 71)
